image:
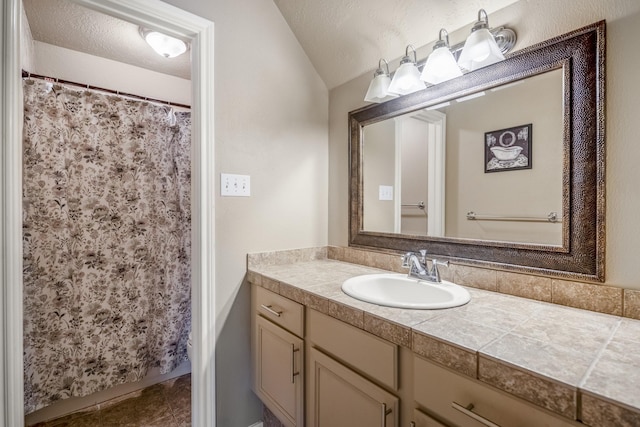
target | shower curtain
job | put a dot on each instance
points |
(106, 235)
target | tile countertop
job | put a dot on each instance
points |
(579, 364)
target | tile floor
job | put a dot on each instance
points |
(269, 419)
(167, 404)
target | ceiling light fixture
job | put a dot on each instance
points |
(407, 77)
(441, 65)
(379, 87)
(483, 47)
(164, 45)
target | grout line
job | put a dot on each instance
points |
(599, 356)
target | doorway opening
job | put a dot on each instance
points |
(173, 21)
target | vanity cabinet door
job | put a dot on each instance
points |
(338, 397)
(278, 368)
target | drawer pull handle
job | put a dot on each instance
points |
(468, 411)
(293, 363)
(271, 310)
(384, 414)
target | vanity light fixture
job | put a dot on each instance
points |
(164, 45)
(379, 86)
(441, 65)
(407, 77)
(481, 48)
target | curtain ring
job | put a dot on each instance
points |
(28, 80)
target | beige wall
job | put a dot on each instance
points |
(536, 21)
(271, 123)
(379, 169)
(531, 192)
(66, 64)
(26, 40)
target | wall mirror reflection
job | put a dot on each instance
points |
(503, 166)
(428, 172)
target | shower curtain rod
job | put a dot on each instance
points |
(27, 74)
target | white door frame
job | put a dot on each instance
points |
(156, 15)
(435, 138)
(437, 122)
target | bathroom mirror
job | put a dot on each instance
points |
(420, 157)
(502, 166)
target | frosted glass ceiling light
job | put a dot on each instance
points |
(407, 77)
(379, 86)
(164, 45)
(481, 48)
(441, 65)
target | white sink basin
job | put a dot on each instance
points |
(398, 290)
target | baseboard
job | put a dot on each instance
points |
(76, 404)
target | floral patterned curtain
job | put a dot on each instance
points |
(107, 243)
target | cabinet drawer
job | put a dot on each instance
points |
(437, 389)
(280, 310)
(373, 356)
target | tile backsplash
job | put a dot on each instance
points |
(631, 304)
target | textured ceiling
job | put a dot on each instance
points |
(345, 38)
(65, 24)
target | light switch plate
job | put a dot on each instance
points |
(385, 192)
(235, 185)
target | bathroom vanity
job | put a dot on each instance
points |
(327, 359)
(324, 359)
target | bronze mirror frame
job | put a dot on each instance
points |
(581, 56)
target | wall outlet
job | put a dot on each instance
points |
(385, 192)
(235, 185)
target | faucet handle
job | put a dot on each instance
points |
(434, 268)
(443, 263)
(405, 259)
(423, 255)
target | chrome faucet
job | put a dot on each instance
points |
(419, 268)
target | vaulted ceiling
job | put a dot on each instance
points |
(343, 38)
(346, 38)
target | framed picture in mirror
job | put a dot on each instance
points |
(508, 149)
